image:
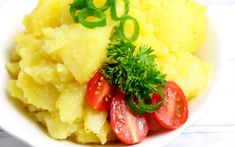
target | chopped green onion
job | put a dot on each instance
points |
(136, 28)
(73, 12)
(113, 10)
(107, 4)
(79, 4)
(115, 34)
(92, 24)
(74, 7)
(149, 107)
(142, 107)
(134, 107)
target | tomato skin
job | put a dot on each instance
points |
(128, 127)
(99, 92)
(174, 111)
(153, 126)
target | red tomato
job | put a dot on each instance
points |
(153, 126)
(99, 92)
(174, 112)
(129, 128)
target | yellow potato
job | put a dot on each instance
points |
(14, 57)
(74, 51)
(13, 68)
(186, 70)
(179, 24)
(47, 14)
(41, 96)
(63, 73)
(56, 128)
(92, 116)
(86, 136)
(16, 92)
(26, 44)
(104, 132)
(32, 109)
(44, 72)
(71, 103)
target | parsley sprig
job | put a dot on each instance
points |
(135, 73)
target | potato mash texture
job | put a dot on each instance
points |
(54, 59)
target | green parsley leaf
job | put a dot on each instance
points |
(135, 73)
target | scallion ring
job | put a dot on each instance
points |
(115, 34)
(74, 7)
(114, 13)
(142, 108)
(84, 13)
(149, 107)
(79, 4)
(134, 107)
(136, 28)
(107, 4)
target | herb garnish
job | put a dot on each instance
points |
(135, 74)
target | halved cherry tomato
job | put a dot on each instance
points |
(174, 112)
(99, 92)
(128, 127)
(153, 126)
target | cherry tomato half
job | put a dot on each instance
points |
(99, 92)
(174, 112)
(153, 126)
(128, 127)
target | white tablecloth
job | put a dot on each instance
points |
(217, 128)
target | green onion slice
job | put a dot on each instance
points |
(84, 13)
(107, 4)
(75, 6)
(115, 34)
(113, 10)
(149, 107)
(136, 28)
(134, 107)
(142, 108)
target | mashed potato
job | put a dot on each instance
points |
(55, 58)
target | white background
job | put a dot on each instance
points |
(217, 127)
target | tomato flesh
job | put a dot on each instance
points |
(153, 126)
(128, 127)
(174, 111)
(99, 92)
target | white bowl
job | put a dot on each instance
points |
(15, 121)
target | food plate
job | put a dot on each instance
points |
(15, 121)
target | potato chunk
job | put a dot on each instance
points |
(27, 44)
(13, 68)
(79, 56)
(92, 116)
(47, 14)
(179, 24)
(187, 71)
(71, 103)
(16, 92)
(55, 127)
(84, 135)
(41, 96)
